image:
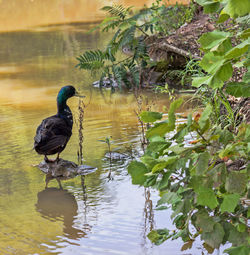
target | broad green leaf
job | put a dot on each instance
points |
(202, 163)
(238, 50)
(215, 237)
(204, 221)
(164, 181)
(205, 115)
(211, 39)
(157, 147)
(137, 170)
(240, 250)
(198, 81)
(206, 197)
(159, 129)
(226, 136)
(229, 203)
(150, 162)
(236, 182)
(150, 116)
(169, 198)
(222, 48)
(168, 161)
(215, 82)
(238, 89)
(211, 63)
(225, 72)
(236, 8)
(223, 17)
(171, 113)
(244, 34)
(211, 7)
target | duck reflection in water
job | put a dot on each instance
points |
(59, 204)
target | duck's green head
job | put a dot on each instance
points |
(65, 93)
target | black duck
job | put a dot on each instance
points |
(53, 134)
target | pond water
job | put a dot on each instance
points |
(90, 215)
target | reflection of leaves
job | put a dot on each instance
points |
(204, 221)
(158, 236)
(206, 197)
(236, 182)
(202, 163)
(187, 245)
(229, 202)
(241, 250)
(215, 237)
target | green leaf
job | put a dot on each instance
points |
(206, 197)
(202, 163)
(215, 237)
(238, 50)
(205, 115)
(164, 181)
(240, 250)
(211, 63)
(236, 182)
(222, 48)
(168, 161)
(238, 89)
(225, 72)
(229, 203)
(209, 6)
(236, 8)
(150, 162)
(159, 129)
(198, 81)
(158, 236)
(204, 221)
(223, 17)
(211, 39)
(226, 136)
(169, 198)
(171, 113)
(137, 170)
(150, 116)
(157, 147)
(237, 238)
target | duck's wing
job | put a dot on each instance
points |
(52, 135)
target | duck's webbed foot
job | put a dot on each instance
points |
(51, 160)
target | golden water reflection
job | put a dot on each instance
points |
(23, 14)
(106, 215)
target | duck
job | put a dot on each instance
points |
(53, 134)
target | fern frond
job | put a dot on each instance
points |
(135, 74)
(140, 49)
(127, 36)
(117, 10)
(91, 60)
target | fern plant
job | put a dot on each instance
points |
(131, 32)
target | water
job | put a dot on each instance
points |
(91, 215)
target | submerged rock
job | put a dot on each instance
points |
(116, 155)
(65, 168)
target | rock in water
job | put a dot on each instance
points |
(65, 168)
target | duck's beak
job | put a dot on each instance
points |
(77, 94)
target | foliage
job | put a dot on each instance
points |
(225, 50)
(130, 34)
(194, 177)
